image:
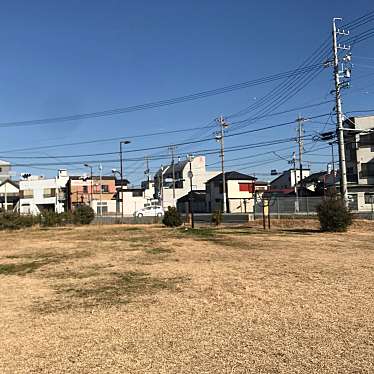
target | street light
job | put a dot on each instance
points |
(114, 172)
(91, 167)
(121, 162)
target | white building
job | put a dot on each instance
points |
(136, 198)
(359, 152)
(9, 195)
(5, 170)
(288, 179)
(38, 193)
(240, 191)
(164, 180)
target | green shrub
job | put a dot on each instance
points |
(333, 215)
(172, 217)
(50, 218)
(83, 215)
(15, 221)
(216, 217)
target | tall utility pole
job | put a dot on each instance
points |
(220, 137)
(295, 176)
(339, 115)
(172, 151)
(300, 141)
(147, 172)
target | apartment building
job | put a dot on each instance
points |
(38, 193)
(98, 192)
(359, 152)
(168, 189)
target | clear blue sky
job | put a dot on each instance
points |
(69, 57)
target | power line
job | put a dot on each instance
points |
(161, 103)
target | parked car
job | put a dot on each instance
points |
(150, 211)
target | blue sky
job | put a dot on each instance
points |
(71, 57)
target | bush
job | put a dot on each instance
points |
(50, 218)
(333, 215)
(216, 217)
(172, 217)
(15, 221)
(83, 215)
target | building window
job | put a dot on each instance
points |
(369, 198)
(367, 169)
(27, 194)
(85, 189)
(49, 192)
(246, 187)
(104, 188)
(367, 139)
(137, 193)
(102, 207)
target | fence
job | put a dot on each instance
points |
(290, 206)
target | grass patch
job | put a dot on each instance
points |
(199, 233)
(115, 289)
(158, 251)
(20, 269)
(39, 261)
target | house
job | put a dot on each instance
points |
(9, 194)
(359, 154)
(38, 193)
(198, 201)
(169, 191)
(288, 179)
(99, 192)
(5, 170)
(319, 182)
(240, 192)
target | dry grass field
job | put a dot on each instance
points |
(133, 299)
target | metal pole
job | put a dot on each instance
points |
(101, 190)
(91, 187)
(295, 176)
(300, 141)
(5, 197)
(339, 117)
(190, 199)
(121, 171)
(172, 150)
(222, 123)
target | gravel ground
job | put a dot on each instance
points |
(134, 299)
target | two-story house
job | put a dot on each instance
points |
(240, 192)
(359, 153)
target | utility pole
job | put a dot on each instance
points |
(146, 172)
(190, 200)
(220, 137)
(339, 115)
(172, 151)
(300, 140)
(295, 176)
(101, 189)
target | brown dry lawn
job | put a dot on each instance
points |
(133, 299)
